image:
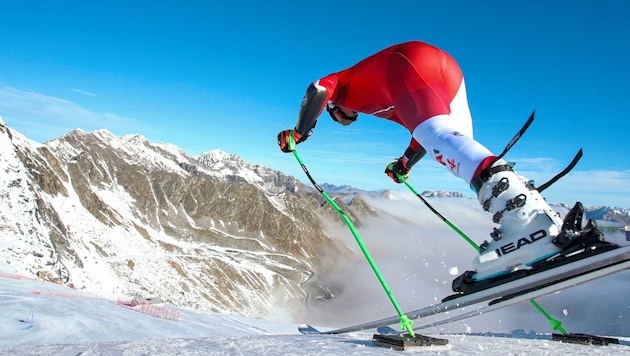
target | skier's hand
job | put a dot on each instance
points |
(283, 139)
(397, 167)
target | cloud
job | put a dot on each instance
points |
(592, 187)
(361, 165)
(419, 256)
(538, 164)
(83, 92)
(605, 181)
(42, 117)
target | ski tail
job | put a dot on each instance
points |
(561, 174)
(308, 329)
(514, 139)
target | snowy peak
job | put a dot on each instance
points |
(442, 194)
(120, 216)
(228, 164)
(610, 214)
(216, 156)
(131, 149)
(233, 168)
(390, 195)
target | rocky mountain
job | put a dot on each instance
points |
(124, 217)
(120, 216)
(614, 215)
(442, 194)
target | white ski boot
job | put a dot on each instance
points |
(528, 225)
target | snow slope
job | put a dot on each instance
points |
(41, 318)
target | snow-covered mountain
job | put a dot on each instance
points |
(120, 216)
(616, 214)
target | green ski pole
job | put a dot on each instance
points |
(468, 239)
(555, 324)
(406, 323)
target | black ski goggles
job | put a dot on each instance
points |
(337, 114)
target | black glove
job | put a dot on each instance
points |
(283, 139)
(397, 167)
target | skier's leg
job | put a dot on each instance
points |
(527, 224)
(460, 112)
(459, 153)
(449, 138)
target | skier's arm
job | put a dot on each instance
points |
(413, 153)
(402, 166)
(316, 96)
(313, 103)
(310, 109)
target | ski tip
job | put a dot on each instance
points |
(530, 119)
(308, 329)
(386, 330)
(406, 342)
(585, 339)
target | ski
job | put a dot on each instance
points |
(515, 138)
(561, 174)
(501, 303)
(509, 293)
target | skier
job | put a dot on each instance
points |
(422, 88)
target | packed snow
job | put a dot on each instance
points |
(41, 318)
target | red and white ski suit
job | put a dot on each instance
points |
(420, 87)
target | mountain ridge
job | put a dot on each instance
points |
(121, 216)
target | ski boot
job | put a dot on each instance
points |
(531, 237)
(574, 243)
(528, 226)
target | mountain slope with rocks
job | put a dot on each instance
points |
(124, 217)
(120, 216)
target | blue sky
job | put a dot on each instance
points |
(204, 75)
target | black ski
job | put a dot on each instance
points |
(515, 138)
(486, 173)
(563, 173)
(527, 295)
(464, 284)
(510, 293)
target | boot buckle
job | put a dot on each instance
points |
(501, 186)
(517, 202)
